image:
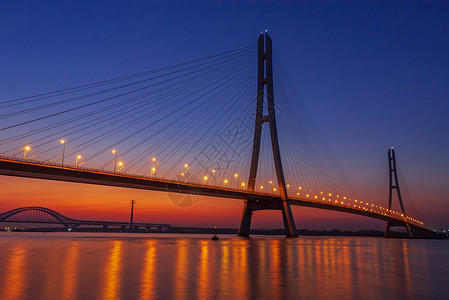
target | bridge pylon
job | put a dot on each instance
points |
(265, 80)
(394, 185)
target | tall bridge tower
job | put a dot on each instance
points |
(265, 81)
(394, 185)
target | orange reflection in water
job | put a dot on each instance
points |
(408, 284)
(243, 270)
(262, 267)
(239, 270)
(203, 286)
(181, 275)
(112, 276)
(148, 273)
(70, 271)
(16, 277)
(224, 271)
(276, 275)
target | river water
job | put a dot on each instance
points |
(159, 266)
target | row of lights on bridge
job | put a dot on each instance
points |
(360, 205)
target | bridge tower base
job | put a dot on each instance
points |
(265, 80)
(252, 206)
(394, 185)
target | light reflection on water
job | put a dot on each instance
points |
(148, 276)
(112, 272)
(154, 266)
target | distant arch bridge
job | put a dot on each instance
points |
(37, 214)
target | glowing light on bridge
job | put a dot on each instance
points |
(78, 157)
(115, 159)
(62, 141)
(27, 148)
(153, 159)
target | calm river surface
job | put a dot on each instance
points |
(148, 266)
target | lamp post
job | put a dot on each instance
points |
(131, 222)
(115, 160)
(185, 171)
(27, 148)
(215, 177)
(62, 141)
(78, 157)
(153, 169)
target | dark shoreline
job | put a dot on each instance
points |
(202, 230)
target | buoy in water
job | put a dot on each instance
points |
(215, 236)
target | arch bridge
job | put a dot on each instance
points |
(37, 214)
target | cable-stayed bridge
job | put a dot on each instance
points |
(206, 127)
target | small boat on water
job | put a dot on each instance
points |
(215, 236)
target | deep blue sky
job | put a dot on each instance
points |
(374, 74)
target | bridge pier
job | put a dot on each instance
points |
(245, 223)
(250, 206)
(387, 233)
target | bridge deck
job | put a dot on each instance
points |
(40, 170)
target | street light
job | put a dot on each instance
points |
(62, 141)
(115, 160)
(185, 171)
(78, 157)
(215, 177)
(120, 164)
(27, 148)
(153, 171)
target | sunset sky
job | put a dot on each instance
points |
(373, 74)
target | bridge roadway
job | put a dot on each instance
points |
(40, 170)
(106, 224)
